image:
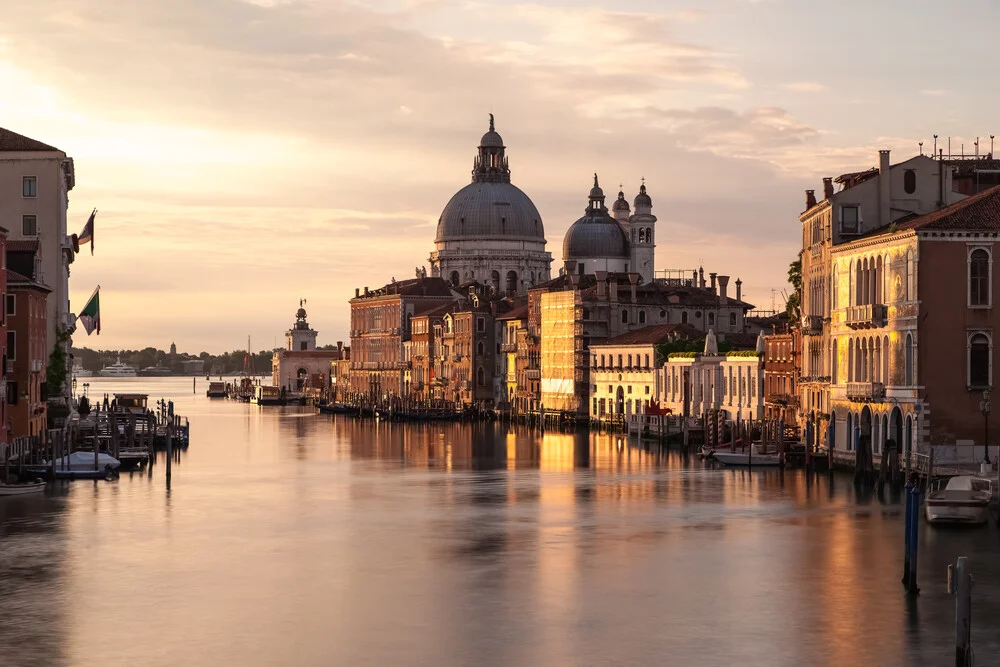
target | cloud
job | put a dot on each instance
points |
(933, 92)
(805, 87)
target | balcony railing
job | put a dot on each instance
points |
(782, 399)
(870, 316)
(532, 373)
(865, 391)
(812, 325)
(508, 347)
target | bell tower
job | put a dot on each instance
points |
(300, 338)
(642, 236)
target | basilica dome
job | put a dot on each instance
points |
(490, 207)
(596, 234)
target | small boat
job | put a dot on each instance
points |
(78, 465)
(216, 390)
(135, 403)
(754, 456)
(265, 394)
(964, 499)
(22, 489)
(155, 371)
(117, 370)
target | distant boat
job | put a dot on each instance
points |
(754, 456)
(965, 499)
(81, 372)
(216, 390)
(117, 370)
(155, 371)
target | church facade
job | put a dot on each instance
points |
(490, 231)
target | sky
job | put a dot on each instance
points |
(244, 154)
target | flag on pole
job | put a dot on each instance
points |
(88, 232)
(91, 313)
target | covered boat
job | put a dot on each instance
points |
(755, 455)
(964, 499)
(83, 462)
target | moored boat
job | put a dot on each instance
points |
(964, 499)
(755, 455)
(117, 370)
(265, 394)
(216, 390)
(22, 489)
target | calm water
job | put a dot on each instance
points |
(293, 538)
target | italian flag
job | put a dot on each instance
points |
(90, 316)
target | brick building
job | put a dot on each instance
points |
(27, 354)
(781, 369)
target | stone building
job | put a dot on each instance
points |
(619, 244)
(911, 329)
(781, 363)
(381, 322)
(490, 231)
(300, 366)
(512, 333)
(27, 351)
(35, 180)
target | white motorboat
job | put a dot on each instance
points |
(22, 489)
(117, 370)
(964, 499)
(752, 456)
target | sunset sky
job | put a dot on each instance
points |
(247, 154)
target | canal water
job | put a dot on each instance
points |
(290, 538)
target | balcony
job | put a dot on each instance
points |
(866, 392)
(866, 317)
(812, 325)
(532, 374)
(508, 347)
(782, 399)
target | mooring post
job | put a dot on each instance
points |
(960, 585)
(914, 524)
(907, 527)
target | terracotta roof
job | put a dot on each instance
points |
(16, 279)
(22, 245)
(12, 141)
(309, 354)
(978, 212)
(656, 333)
(520, 313)
(433, 310)
(412, 287)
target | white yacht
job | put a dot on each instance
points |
(117, 370)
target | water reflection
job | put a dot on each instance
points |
(293, 538)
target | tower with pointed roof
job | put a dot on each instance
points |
(490, 232)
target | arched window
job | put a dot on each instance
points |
(850, 360)
(684, 317)
(649, 235)
(647, 361)
(836, 286)
(979, 277)
(850, 284)
(885, 360)
(633, 235)
(732, 319)
(859, 284)
(511, 282)
(480, 348)
(642, 234)
(455, 278)
(602, 361)
(480, 377)
(833, 361)
(850, 432)
(619, 362)
(877, 362)
(909, 181)
(879, 296)
(624, 317)
(908, 361)
(911, 286)
(663, 315)
(642, 317)
(980, 371)
(586, 313)
(711, 319)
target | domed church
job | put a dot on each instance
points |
(620, 244)
(490, 232)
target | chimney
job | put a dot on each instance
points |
(602, 284)
(357, 292)
(810, 199)
(828, 187)
(570, 266)
(723, 284)
(366, 291)
(633, 278)
(613, 278)
(340, 348)
(694, 278)
(739, 289)
(574, 280)
(712, 278)
(701, 277)
(883, 188)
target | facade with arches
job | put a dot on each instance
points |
(912, 324)
(300, 366)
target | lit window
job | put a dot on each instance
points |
(979, 277)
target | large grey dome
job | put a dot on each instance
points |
(485, 210)
(594, 236)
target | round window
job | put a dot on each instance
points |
(698, 314)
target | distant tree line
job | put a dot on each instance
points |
(229, 362)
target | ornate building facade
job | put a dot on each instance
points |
(490, 231)
(300, 365)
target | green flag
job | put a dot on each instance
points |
(91, 314)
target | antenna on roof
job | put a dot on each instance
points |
(991, 146)
(977, 148)
(921, 144)
(935, 146)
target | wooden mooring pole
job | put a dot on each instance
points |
(960, 585)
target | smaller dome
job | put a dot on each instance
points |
(301, 313)
(492, 138)
(596, 192)
(642, 199)
(620, 203)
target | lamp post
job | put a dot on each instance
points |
(984, 405)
